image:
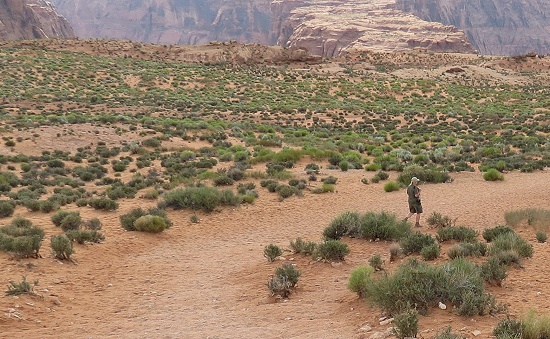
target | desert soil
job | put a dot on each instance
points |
(208, 279)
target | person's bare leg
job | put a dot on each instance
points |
(408, 216)
(417, 220)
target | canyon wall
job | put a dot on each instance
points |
(32, 19)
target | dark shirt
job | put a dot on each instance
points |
(412, 191)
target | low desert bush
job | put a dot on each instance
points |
(493, 271)
(283, 281)
(150, 224)
(325, 188)
(128, 220)
(195, 198)
(508, 329)
(62, 247)
(489, 234)
(85, 236)
(7, 207)
(391, 186)
(436, 219)
(303, 247)
(430, 252)
(511, 242)
(405, 324)
(47, 206)
(347, 223)
(104, 204)
(541, 237)
(538, 218)
(286, 191)
(331, 250)
(493, 175)
(359, 279)
(447, 334)
(67, 220)
(383, 226)
(415, 242)
(467, 249)
(458, 233)
(22, 238)
(535, 326)
(424, 174)
(458, 282)
(395, 252)
(376, 262)
(23, 287)
(271, 252)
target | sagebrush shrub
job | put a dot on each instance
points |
(359, 279)
(195, 198)
(508, 329)
(150, 223)
(436, 219)
(493, 271)
(383, 226)
(535, 326)
(491, 233)
(347, 223)
(23, 287)
(414, 242)
(84, 236)
(447, 334)
(376, 262)
(493, 175)
(290, 273)
(391, 186)
(7, 207)
(511, 241)
(395, 252)
(459, 233)
(541, 237)
(104, 204)
(430, 252)
(271, 252)
(127, 220)
(62, 247)
(303, 247)
(405, 324)
(331, 250)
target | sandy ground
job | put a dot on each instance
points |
(208, 279)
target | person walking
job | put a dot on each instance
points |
(415, 204)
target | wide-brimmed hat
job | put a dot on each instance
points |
(415, 179)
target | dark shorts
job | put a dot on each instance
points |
(415, 207)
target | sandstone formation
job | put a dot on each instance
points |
(495, 27)
(330, 27)
(31, 19)
(324, 27)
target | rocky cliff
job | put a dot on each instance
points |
(31, 19)
(330, 27)
(495, 27)
(187, 22)
(324, 27)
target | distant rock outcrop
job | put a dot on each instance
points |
(324, 27)
(495, 27)
(32, 19)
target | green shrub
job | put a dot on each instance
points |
(347, 223)
(420, 284)
(447, 334)
(391, 186)
(415, 242)
(383, 226)
(289, 273)
(7, 207)
(511, 241)
(359, 279)
(47, 206)
(22, 238)
(436, 219)
(279, 286)
(493, 175)
(493, 271)
(150, 223)
(271, 252)
(344, 165)
(303, 247)
(459, 233)
(424, 174)
(395, 252)
(24, 287)
(84, 236)
(430, 252)
(508, 329)
(489, 234)
(329, 180)
(32, 205)
(326, 188)
(376, 262)
(223, 180)
(534, 217)
(128, 220)
(535, 326)
(541, 237)
(331, 250)
(507, 258)
(405, 324)
(228, 198)
(104, 204)
(286, 191)
(62, 247)
(195, 198)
